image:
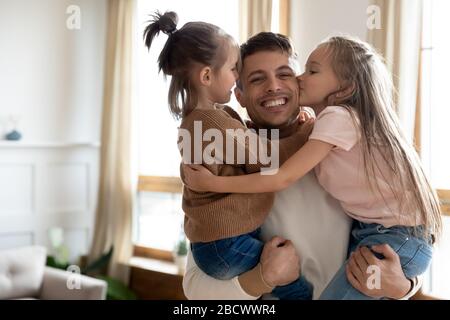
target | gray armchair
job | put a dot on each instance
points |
(23, 275)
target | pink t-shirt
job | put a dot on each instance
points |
(342, 173)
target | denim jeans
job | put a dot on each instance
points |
(226, 258)
(414, 250)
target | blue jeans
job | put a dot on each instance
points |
(226, 258)
(414, 250)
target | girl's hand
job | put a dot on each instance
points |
(196, 177)
(306, 114)
(305, 129)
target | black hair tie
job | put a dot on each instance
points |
(170, 31)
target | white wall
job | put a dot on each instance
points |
(53, 78)
(50, 75)
(313, 20)
(47, 186)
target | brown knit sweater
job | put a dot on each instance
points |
(212, 216)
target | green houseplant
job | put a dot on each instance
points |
(180, 252)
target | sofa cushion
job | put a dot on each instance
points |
(21, 272)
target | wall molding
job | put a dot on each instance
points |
(32, 185)
(54, 186)
(47, 144)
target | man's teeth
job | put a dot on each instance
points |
(274, 103)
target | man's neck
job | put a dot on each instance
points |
(289, 129)
(285, 130)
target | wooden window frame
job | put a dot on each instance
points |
(160, 184)
(444, 196)
(157, 184)
(152, 253)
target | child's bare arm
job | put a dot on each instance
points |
(200, 179)
(255, 147)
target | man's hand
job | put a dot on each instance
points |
(393, 283)
(280, 264)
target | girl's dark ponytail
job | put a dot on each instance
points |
(196, 42)
(167, 23)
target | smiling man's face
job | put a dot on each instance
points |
(269, 89)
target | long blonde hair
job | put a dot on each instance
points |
(357, 63)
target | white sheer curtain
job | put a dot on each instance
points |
(255, 17)
(113, 226)
(399, 41)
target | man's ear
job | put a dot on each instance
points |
(205, 76)
(238, 95)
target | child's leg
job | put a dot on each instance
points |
(415, 256)
(227, 258)
(300, 289)
(224, 259)
(340, 289)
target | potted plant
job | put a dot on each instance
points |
(180, 254)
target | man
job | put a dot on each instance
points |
(317, 228)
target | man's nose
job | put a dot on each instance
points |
(273, 85)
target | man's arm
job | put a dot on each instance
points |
(197, 285)
(279, 265)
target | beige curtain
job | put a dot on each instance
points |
(255, 17)
(113, 225)
(399, 40)
(285, 17)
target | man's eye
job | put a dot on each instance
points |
(256, 80)
(286, 75)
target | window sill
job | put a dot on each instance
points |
(156, 265)
(25, 144)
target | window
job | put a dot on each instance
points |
(435, 134)
(435, 109)
(159, 216)
(159, 155)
